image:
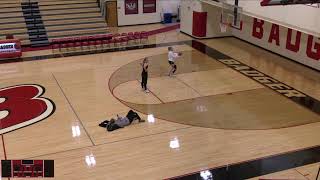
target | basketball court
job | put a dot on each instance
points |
(232, 111)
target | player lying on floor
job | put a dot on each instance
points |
(121, 122)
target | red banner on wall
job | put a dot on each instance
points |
(149, 6)
(131, 7)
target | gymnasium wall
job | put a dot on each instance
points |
(301, 16)
(162, 6)
(187, 8)
(140, 18)
(300, 46)
(170, 6)
(191, 7)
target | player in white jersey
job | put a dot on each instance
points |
(171, 59)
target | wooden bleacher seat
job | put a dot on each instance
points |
(41, 3)
(69, 11)
(9, 9)
(25, 42)
(77, 32)
(75, 16)
(13, 25)
(9, 5)
(10, 15)
(66, 6)
(61, 18)
(12, 20)
(14, 31)
(72, 18)
(19, 36)
(76, 26)
(73, 21)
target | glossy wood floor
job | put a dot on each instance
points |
(79, 87)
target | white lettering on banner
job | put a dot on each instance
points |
(7, 47)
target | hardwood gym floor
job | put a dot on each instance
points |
(207, 116)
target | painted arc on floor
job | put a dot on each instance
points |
(240, 104)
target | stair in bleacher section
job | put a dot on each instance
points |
(36, 29)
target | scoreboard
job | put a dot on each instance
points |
(27, 168)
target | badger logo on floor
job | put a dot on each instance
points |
(23, 105)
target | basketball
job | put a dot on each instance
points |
(180, 53)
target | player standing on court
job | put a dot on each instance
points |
(171, 59)
(144, 75)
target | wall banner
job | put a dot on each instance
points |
(131, 7)
(149, 6)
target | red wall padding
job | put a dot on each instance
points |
(199, 26)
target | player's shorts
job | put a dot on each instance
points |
(171, 62)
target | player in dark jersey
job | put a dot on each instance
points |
(144, 74)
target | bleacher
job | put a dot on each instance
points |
(71, 18)
(12, 21)
(49, 19)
